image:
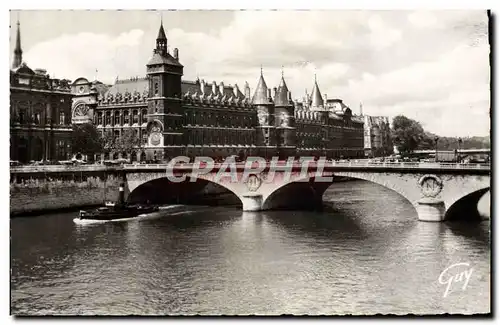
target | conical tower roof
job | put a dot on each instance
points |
(260, 95)
(316, 99)
(281, 98)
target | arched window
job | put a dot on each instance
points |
(156, 88)
(144, 116)
(99, 118)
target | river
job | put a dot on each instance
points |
(367, 254)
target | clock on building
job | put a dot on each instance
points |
(155, 138)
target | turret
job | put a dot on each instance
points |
(316, 99)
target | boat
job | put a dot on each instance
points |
(117, 211)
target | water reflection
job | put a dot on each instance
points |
(369, 254)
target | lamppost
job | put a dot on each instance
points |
(459, 159)
(436, 139)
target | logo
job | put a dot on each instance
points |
(431, 185)
(253, 183)
(455, 273)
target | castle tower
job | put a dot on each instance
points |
(316, 98)
(165, 115)
(284, 120)
(18, 52)
(266, 130)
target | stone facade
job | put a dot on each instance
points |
(377, 136)
(40, 108)
(175, 117)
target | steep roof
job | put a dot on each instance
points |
(281, 98)
(161, 33)
(260, 96)
(316, 98)
(157, 58)
(139, 85)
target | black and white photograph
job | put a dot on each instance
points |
(250, 162)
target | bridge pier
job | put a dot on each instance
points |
(251, 202)
(430, 209)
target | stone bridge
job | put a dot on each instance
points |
(432, 188)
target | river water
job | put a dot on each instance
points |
(368, 254)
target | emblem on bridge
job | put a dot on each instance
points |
(253, 183)
(431, 185)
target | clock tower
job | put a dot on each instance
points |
(165, 113)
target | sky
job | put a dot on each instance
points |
(432, 66)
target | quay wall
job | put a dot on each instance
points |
(38, 192)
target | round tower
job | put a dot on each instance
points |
(266, 129)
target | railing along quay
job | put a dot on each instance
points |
(328, 164)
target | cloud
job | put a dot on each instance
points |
(432, 66)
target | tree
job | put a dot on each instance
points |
(407, 134)
(108, 142)
(128, 142)
(86, 139)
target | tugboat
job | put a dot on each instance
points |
(112, 211)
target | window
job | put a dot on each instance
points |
(156, 106)
(126, 117)
(144, 137)
(144, 116)
(61, 149)
(135, 116)
(156, 88)
(117, 117)
(38, 118)
(108, 118)
(99, 118)
(116, 133)
(61, 117)
(21, 116)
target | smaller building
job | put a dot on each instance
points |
(377, 136)
(40, 108)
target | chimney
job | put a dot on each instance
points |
(290, 96)
(214, 88)
(221, 88)
(247, 90)
(326, 97)
(202, 86)
(176, 53)
(269, 93)
(235, 90)
(275, 90)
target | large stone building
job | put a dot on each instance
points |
(377, 136)
(175, 117)
(40, 108)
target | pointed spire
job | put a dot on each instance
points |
(161, 40)
(281, 98)
(260, 96)
(316, 98)
(18, 52)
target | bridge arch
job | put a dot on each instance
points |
(466, 208)
(161, 190)
(308, 189)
